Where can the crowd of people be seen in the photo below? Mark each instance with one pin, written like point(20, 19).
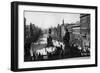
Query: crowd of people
point(54, 49)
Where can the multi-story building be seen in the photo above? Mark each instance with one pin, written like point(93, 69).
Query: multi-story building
point(85, 29)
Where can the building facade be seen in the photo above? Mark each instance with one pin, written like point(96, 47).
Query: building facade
point(85, 30)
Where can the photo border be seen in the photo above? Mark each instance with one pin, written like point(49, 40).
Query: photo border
point(14, 35)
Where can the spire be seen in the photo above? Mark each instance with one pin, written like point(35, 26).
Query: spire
point(63, 21)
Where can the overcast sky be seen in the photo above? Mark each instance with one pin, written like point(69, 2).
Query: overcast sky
point(48, 19)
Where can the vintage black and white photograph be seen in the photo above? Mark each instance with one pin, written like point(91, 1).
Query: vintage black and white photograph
point(56, 35)
point(52, 36)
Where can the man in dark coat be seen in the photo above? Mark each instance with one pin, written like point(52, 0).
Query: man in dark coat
point(66, 39)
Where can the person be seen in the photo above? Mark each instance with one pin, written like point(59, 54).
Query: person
point(66, 39)
point(49, 39)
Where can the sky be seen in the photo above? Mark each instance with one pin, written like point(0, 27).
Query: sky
point(47, 19)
